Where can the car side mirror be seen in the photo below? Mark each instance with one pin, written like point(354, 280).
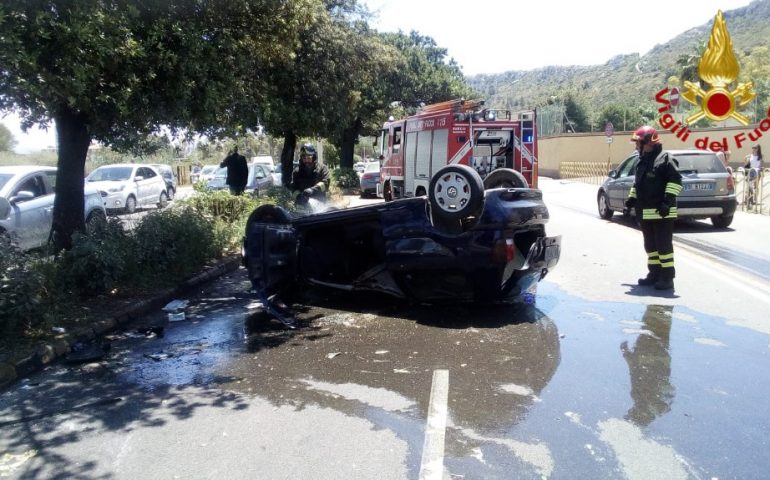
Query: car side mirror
point(138, 178)
point(5, 208)
point(21, 196)
point(613, 174)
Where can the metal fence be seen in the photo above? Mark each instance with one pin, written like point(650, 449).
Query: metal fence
point(751, 185)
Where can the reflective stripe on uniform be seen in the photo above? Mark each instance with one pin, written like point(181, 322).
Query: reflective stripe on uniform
point(667, 260)
point(632, 193)
point(652, 258)
point(652, 214)
point(673, 188)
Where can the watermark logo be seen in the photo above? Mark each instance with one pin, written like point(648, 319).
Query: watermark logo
point(718, 67)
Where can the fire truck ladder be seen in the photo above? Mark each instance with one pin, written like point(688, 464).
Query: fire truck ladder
point(524, 142)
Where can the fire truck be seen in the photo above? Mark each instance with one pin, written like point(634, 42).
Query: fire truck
point(461, 131)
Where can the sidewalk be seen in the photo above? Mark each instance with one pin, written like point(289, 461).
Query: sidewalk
point(45, 353)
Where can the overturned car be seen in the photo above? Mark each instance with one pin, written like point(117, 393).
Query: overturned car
point(464, 241)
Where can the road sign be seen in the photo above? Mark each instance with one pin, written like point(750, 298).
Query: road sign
point(673, 96)
point(609, 129)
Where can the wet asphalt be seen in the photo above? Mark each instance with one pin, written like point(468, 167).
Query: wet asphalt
point(615, 383)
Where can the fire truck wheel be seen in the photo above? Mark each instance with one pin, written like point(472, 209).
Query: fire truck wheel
point(505, 178)
point(456, 192)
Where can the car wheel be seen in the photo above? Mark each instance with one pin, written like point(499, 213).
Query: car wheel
point(163, 200)
point(505, 178)
point(130, 204)
point(604, 206)
point(95, 220)
point(171, 193)
point(456, 192)
point(722, 221)
point(268, 214)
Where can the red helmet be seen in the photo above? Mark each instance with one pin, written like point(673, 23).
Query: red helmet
point(645, 134)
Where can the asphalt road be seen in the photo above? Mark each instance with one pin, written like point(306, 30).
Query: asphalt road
point(601, 379)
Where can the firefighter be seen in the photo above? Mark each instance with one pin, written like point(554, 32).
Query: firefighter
point(656, 186)
point(310, 178)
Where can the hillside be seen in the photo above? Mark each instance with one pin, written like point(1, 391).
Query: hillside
point(624, 79)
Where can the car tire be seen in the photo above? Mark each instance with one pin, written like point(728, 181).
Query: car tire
point(163, 200)
point(505, 178)
point(722, 221)
point(130, 204)
point(456, 192)
point(604, 206)
point(268, 214)
point(95, 220)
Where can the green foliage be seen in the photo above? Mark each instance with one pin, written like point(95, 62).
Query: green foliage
point(345, 178)
point(221, 205)
point(7, 142)
point(98, 262)
point(173, 243)
point(22, 297)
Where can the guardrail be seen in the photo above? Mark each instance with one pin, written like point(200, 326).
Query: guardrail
point(751, 185)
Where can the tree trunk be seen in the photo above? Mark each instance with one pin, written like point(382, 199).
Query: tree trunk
point(287, 157)
point(349, 140)
point(73, 138)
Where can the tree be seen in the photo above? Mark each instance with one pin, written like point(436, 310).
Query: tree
point(115, 72)
point(7, 142)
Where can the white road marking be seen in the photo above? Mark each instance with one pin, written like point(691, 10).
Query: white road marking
point(432, 464)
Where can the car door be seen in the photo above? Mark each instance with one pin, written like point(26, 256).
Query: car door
point(619, 187)
point(31, 216)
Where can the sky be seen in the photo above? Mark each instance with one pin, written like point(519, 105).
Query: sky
point(495, 36)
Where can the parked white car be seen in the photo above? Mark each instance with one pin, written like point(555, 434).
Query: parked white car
point(128, 186)
point(207, 173)
point(267, 162)
point(27, 194)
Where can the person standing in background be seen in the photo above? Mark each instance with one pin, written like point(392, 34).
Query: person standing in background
point(237, 171)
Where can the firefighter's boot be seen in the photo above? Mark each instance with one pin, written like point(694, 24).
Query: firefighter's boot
point(653, 275)
point(666, 280)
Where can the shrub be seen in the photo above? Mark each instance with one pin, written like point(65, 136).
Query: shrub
point(345, 178)
point(22, 302)
point(96, 263)
point(173, 243)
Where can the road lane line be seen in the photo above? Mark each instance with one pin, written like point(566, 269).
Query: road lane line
point(432, 464)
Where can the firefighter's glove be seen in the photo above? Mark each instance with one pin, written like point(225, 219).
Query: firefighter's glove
point(630, 202)
point(663, 209)
point(302, 198)
point(308, 192)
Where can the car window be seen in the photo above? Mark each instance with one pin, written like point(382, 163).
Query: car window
point(628, 167)
point(4, 179)
point(372, 167)
point(700, 163)
point(51, 181)
point(146, 172)
point(116, 174)
point(33, 184)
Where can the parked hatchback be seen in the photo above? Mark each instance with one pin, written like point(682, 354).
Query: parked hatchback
point(369, 179)
point(708, 188)
point(128, 186)
point(27, 195)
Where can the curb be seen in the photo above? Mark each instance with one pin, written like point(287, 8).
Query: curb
point(47, 353)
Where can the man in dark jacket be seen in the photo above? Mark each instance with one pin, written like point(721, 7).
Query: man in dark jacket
point(310, 178)
point(656, 185)
point(237, 171)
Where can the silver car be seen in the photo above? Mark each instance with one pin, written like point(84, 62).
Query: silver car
point(126, 186)
point(27, 194)
point(708, 188)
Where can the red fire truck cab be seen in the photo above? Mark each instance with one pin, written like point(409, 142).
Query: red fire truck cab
point(455, 132)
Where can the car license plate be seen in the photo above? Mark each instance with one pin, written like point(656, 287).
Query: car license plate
point(699, 186)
